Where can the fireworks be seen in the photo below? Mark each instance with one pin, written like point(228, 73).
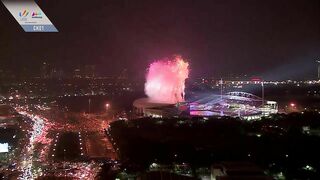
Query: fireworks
point(165, 80)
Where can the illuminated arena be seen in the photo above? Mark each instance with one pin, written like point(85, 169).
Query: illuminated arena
point(165, 85)
point(234, 104)
point(165, 88)
point(151, 108)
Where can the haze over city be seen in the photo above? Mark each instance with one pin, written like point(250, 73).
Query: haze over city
point(171, 89)
point(218, 37)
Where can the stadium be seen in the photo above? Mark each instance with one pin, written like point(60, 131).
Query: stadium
point(235, 104)
point(165, 88)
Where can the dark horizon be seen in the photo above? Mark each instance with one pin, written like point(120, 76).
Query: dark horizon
point(274, 39)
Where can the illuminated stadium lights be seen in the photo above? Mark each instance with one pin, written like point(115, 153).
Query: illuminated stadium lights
point(234, 104)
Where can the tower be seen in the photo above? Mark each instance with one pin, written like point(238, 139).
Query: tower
point(318, 62)
point(44, 70)
point(89, 71)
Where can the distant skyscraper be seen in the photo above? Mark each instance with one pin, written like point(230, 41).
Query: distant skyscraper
point(44, 70)
point(123, 74)
point(89, 71)
point(56, 73)
point(77, 73)
point(318, 62)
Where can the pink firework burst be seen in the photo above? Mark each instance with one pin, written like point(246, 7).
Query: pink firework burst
point(165, 80)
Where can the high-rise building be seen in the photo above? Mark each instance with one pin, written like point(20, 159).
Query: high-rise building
point(44, 70)
point(123, 74)
point(89, 71)
point(56, 73)
point(318, 62)
point(77, 73)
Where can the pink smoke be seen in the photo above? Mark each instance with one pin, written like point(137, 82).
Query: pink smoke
point(166, 80)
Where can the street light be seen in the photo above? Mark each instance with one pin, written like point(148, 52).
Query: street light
point(107, 106)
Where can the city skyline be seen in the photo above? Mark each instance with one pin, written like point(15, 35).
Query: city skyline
point(218, 38)
point(150, 89)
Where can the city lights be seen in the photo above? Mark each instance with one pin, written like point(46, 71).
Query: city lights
point(160, 89)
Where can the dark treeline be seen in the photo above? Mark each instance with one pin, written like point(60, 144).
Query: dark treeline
point(283, 143)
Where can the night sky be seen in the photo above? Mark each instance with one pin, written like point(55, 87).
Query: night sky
point(275, 39)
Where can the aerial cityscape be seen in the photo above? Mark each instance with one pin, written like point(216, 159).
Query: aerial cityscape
point(147, 90)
